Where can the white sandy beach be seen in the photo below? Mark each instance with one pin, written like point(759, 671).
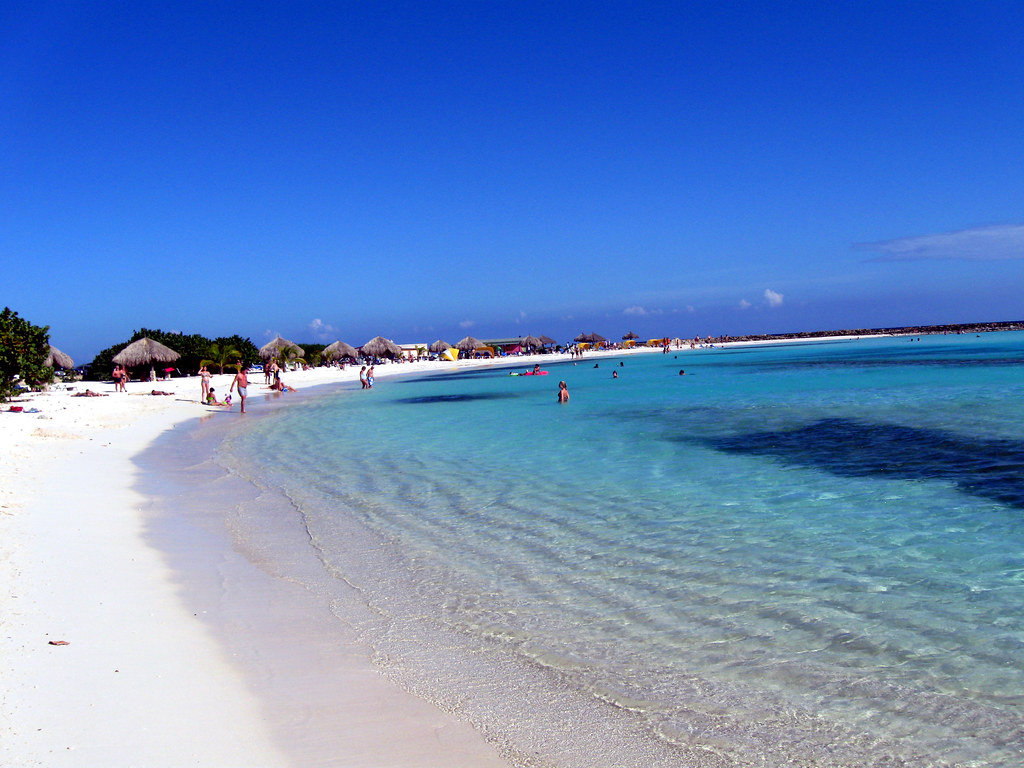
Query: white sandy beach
point(141, 680)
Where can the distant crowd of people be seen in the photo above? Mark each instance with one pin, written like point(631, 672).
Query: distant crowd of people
point(272, 378)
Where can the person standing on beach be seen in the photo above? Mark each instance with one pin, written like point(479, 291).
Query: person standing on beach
point(563, 392)
point(205, 376)
point(242, 380)
point(362, 377)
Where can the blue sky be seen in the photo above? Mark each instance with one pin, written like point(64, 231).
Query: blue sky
point(431, 170)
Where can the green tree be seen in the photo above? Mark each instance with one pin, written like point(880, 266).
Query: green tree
point(193, 348)
point(287, 355)
point(314, 353)
point(23, 350)
point(220, 355)
point(249, 352)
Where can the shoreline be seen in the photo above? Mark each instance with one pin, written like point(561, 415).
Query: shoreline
point(81, 568)
point(142, 679)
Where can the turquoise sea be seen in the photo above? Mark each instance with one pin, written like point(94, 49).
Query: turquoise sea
point(806, 554)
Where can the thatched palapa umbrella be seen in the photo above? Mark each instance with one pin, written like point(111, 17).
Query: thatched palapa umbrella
point(378, 346)
point(630, 336)
point(340, 349)
point(57, 359)
point(545, 340)
point(273, 348)
point(532, 341)
point(439, 346)
point(468, 344)
point(143, 351)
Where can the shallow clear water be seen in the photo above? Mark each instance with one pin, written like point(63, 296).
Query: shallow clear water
point(807, 554)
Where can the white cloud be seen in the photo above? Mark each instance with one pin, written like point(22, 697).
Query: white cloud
point(638, 311)
point(994, 243)
point(744, 304)
point(774, 299)
point(321, 330)
point(467, 324)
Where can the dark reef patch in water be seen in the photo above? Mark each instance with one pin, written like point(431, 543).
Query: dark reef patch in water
point(463, 398)
point(474, 375)
point(791, 366)
point(993, 469)
point(870, 361)
point(477, 375)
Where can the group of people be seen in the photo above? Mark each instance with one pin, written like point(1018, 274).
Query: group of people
point(241, 381)
point(120, 376)
point(366, 377)
point(271, 372)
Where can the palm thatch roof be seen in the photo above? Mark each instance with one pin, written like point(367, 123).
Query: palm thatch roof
point(143, 351)
point(468, 344)
point(57, 359)
point(532, 341)
point(547, 340)
point(592, 338)
point(378, 346)
point(340, 349)
point(439, 346)
point(630, 336)
point(273, 348)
